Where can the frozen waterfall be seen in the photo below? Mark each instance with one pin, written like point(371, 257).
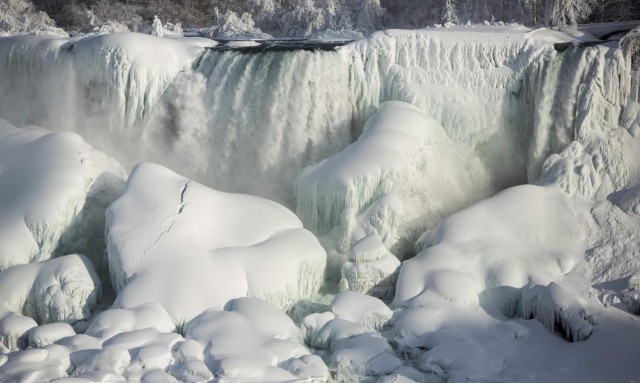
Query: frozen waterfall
point(250, 122)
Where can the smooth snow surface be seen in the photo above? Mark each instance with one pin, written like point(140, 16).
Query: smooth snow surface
point(223, 246)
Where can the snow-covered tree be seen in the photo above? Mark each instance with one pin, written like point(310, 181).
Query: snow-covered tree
point(449, 13)
point(370, 15)
point(564, 13)
point(231, 26)
point(20, 16)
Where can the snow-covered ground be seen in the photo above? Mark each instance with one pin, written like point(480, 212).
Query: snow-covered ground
point(467, 201)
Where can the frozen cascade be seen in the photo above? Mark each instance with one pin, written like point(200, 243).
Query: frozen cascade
point(248, 122)
point(238, 122)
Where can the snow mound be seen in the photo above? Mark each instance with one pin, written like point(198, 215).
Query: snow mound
point(370, 269)
point(115, 321)
point(233, 245)
point(228, 344)
point(55, 189)
point(362, 309)
point(402, 174)
point(348, 336)
point(66, 289)
point(47, 334)
point(14, 330)
point(526, 233)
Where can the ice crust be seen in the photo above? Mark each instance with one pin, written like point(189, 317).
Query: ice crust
point(234, 245)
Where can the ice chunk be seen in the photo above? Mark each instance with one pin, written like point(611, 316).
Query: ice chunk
point(61, 289)
point(362, 309)
point(225, 245)
point(632, 300)
point(558, 310)
point(55, 189)
point(370, 269)
point(14, 330)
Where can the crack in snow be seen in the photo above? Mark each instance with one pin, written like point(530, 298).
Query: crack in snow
point(175, 215)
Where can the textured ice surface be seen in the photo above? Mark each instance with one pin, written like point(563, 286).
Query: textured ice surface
point(224, 245)
point(66, 289)
point(55, 189)
point(370, 269)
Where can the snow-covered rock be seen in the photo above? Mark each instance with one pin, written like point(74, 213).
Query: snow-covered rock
point(66, 289)
point(401, 175)
point(53, 194)
point(526, 233)
point(222, 246)
point(362, 309)
point(47, 334)
point(558, 309)
point(14, 330)
point(370, 269)
point(116, 321)
point(236, 348)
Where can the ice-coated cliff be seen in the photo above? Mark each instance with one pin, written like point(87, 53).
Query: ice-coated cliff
point(55, 189)
point(223, 246)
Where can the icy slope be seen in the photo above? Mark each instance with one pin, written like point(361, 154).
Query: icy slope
point(219, 246)
point(55, 189)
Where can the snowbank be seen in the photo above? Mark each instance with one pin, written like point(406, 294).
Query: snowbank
point(233, 245)
point(55, 189)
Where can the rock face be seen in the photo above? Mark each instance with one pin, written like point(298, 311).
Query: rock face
point(188, 247)
point(55, 189)
point(65, 289)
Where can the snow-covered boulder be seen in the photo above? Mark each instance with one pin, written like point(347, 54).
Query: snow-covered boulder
point(558, 309)
point(116, 321)
point(362, 309)
point(54, 189)
point(66, 289)
point(370, 269)
point(400, 176)
point(526, 233)
point(14, 329)
point(188, 247)
point(47, 334)
point(237, 348)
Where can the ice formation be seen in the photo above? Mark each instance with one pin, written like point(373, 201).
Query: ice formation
point(454, 114)
point(370, 269)
point(65, 289)
point(55, 190)
point(233, 245)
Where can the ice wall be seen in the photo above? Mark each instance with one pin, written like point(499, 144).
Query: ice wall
point(249, 122)
point(238, 122)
